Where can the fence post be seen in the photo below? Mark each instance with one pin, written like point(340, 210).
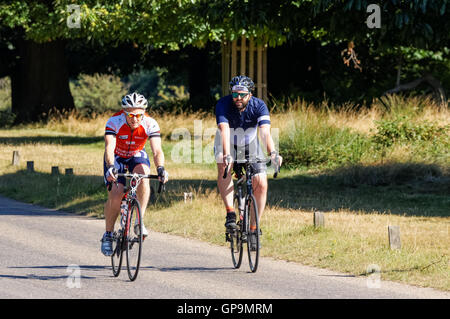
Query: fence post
point(55, 170)
point(188, 196)
point(30, 166)
point(319, 220)
point(394, 237)
point(16, 158)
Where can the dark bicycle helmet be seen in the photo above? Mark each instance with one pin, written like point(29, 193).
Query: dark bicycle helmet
point(244, 81)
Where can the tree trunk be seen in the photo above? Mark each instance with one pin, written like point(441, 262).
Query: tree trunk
point(199, 93)
point(40, 80)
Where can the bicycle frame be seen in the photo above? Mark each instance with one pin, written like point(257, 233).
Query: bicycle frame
point(245, 179)
point(248, 214)
point(123, 239)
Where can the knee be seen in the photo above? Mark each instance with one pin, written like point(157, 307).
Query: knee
point(260, 183)
point(141, 169)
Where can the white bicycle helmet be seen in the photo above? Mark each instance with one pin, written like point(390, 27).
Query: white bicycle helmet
point(134, 100)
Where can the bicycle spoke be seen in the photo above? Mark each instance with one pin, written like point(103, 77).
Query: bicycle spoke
point(236, 238)
point(253, 238)
point(134, 240)
point(116, 258)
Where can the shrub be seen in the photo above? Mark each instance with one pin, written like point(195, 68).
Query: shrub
point(403, 130)
point(5, 94)
point(98, 93)
point(320, 144)
point(6, 118)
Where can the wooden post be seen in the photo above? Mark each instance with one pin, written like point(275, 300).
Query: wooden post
point(225, 67)
point(251, 59)
point(264, 74)
point(319, 220)
point(188, 196)
point(259, 92)
point(55, 170)
point(243, 55)
point(30, 166)
point(233, 59)
point(16, 158)
point(244, 64)
point(69, 171)
point(394, 237)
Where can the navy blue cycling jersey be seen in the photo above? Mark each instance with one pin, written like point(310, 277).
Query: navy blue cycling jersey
point(255, 114)
point(245, 123)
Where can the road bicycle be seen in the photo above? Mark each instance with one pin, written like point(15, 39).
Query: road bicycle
point(246, 210)
point(129, 236)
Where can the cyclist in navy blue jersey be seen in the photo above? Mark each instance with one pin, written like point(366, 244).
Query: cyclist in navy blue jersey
point(239, 117)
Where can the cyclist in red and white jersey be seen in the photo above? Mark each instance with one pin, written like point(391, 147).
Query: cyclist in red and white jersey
point(126, 134)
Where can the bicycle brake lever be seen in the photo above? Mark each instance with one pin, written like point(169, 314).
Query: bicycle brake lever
point(277, 170)
point(226, 172)
point(162, 187)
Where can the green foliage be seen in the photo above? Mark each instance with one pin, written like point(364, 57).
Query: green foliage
point(420, 23)
point(403, 130)
point(97, 93)
point(161, 92)
point(318, 144)
point(7, 118)
point(5, 94)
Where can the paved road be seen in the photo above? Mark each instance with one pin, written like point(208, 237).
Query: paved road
point(37, 246)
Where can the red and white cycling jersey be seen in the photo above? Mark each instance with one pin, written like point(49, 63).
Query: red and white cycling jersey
point(129, 143)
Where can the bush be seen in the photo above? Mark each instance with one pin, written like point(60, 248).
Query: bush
point(5, 94)
point(98, 93)
point(7, 118)
point(161, 96)
point(320, 144)
point(402, 130)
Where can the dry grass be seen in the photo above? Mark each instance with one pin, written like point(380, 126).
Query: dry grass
point(363, 120)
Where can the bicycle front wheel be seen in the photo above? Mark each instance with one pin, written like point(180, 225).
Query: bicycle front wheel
point(253, 237)
point(236, 237)
point(134, 239)
point(116, 258)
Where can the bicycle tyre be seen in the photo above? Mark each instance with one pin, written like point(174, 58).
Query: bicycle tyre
point(253, 255)
point(236, 244)
point(116, 258)
point(133, 240)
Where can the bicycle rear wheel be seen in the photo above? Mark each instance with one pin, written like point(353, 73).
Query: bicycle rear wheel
point(236, 238)
point(134, 240)
point(116, 258)
point(253, 245)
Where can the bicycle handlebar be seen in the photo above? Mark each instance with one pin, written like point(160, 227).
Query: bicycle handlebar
point(277, 168)
point(162, 186)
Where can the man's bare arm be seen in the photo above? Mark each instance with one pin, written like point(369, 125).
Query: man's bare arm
point(158, 154)
point(110, 145)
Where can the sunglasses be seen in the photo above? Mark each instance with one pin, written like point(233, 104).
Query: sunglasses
point(132, 115)
point(236, 94)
